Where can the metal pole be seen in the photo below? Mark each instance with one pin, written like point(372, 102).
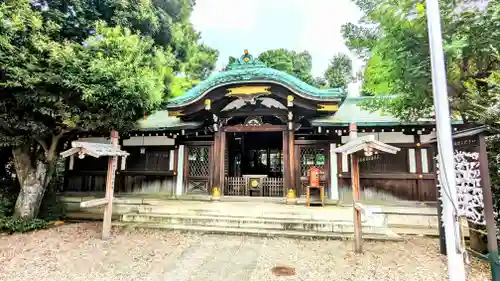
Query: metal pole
point(456, 269)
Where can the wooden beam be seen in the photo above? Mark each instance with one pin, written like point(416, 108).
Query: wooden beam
point(489, 214)
point(356, 197)
point(216, 158)
point(287, 180)
point(263, 128)
point(94, 203)
point(418, 162)
point(69, 152)
point(391, 176)
point(291, 152)
point(221, 161)
point(358, 244)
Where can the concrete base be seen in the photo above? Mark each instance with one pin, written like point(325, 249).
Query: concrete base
point(258, 232)
point(254, 216)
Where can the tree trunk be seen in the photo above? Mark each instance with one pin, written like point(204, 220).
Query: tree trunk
point(33, 175)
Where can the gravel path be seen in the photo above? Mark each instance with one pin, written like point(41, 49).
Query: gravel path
point(75, 252)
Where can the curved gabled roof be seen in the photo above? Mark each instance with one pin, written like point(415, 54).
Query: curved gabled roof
point(352, 111)
point(249, 69)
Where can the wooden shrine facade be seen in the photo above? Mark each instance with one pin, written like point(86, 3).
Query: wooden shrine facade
point(252, 121)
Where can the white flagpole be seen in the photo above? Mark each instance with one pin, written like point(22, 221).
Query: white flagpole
point(456, 269)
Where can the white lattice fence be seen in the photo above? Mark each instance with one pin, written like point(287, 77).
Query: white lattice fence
point(469, 189)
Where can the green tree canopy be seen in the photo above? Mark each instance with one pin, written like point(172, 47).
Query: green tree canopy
point(291, 62)
point(339, 71)
point(393, 36)
point(65, 71)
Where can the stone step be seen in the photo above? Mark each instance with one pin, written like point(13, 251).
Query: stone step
point(312, 214)
point(241, 222)
point(257, 232)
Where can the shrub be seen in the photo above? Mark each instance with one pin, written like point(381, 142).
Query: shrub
point(11, 225)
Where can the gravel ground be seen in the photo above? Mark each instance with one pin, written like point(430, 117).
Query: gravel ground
point(75, 252)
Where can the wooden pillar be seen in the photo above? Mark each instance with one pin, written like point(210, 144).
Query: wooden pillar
point(110, 183)
point(222, 152)
point(333, 192)
point(216, 160)
point(287, 182)
point(211, 167)
point(358, 246)
point(489, 215)
point(419, 169)
point(181, 170)
point(291, 157)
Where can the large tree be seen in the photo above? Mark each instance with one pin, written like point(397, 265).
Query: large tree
point(82, 65)
point(298, 64)
point(393, 37)
point(52, 86)
point(339, 71)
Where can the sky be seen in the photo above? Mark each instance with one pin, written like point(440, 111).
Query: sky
point(231, 26)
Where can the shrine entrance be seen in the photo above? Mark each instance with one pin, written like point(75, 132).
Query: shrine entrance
point(254, 158)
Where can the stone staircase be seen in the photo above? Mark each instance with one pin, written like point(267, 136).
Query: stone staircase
point(259, 220)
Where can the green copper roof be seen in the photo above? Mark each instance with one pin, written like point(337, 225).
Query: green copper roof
point(248, 69)
point(161, 121)
point(351, 111)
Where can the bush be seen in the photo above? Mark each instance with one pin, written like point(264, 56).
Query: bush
point(6, 206)
point(11, 225)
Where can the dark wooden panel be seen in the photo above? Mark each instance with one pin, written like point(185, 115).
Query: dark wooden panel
point(402, 189)
point(95, 181)
point(90, 163)
point(153, 159)
point(385, 162)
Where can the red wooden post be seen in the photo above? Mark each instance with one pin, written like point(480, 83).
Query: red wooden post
point(358, 244)
point(110, 183)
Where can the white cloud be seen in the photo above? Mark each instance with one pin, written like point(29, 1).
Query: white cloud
point(320, 33)
point(224, 15)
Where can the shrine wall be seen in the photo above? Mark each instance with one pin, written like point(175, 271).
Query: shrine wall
point(149, 168)
point(407, 175)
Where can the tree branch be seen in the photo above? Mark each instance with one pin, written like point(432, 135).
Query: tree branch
point(43, 143)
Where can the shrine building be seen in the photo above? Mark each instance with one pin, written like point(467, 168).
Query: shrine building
point(254, 121)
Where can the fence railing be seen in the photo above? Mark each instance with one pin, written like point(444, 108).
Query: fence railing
point(238, 186)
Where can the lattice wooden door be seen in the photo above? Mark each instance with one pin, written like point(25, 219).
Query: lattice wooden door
point(198, 169)
point(309, 156)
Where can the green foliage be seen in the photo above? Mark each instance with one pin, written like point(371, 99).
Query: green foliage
point(13, 225)
point(198, 60)
point(6, 205)
point(339, 71)
point(180, 85)
point(51, 87)
point(393, 34)
point(376, 80)
point(291, 62)
point(9, 187)
point(72, 66)
point(483, 98)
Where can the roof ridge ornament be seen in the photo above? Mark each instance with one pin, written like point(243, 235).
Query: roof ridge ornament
point(246, 61)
